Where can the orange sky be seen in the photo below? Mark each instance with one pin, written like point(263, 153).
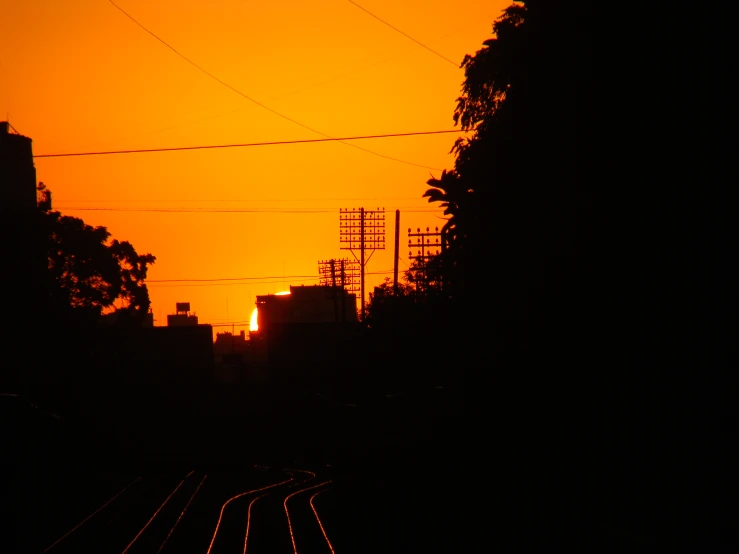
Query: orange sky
point(79, 76)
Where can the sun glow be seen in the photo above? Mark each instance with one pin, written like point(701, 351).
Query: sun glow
point(283, 293)
point(253, 325)
point(200, 196)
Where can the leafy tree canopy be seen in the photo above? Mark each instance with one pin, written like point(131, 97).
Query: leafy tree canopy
point(417, 290)
point(495, 81)
point(88, 272)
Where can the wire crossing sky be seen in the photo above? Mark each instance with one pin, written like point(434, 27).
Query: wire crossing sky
point(84, 82)
point(404, 34)
point(260, 104)
point(273, 143)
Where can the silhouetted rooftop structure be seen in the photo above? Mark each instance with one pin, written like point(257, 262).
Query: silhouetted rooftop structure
point(227, 343)
point(307, 304)
point(22, 246)
point(182, 316)
point(17, 172)
point(306, 333)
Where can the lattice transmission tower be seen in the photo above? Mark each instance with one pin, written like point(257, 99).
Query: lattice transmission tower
point(340, 273)
point(362, 230)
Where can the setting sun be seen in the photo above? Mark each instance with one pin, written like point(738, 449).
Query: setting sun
point(86, 77)
point(253, 322)
point(278, 274)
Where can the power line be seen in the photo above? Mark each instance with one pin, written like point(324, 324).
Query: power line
point(225, 281)
point(188, 60)
point(232, 278)
point(248, 144)
point(358, 68)
point(234, 210)
point(404, 34)
point(334, 77)
point(281, 277)
point(229, 284)
point(384, 200)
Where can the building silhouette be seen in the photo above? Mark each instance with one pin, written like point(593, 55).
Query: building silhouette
point(163, 356)
point(231, 351)
point(228, 343)
point(307, 304)
point(22, 249)
point(182, 316)
point(306, 334)
point(17, 172)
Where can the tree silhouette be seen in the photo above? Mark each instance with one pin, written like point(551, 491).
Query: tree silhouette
point(425, 277)
point(384, 302)
point(494, 86)
point(87, 272)
point(417, 293)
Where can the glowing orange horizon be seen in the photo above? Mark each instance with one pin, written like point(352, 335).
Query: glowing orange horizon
point(82, 76)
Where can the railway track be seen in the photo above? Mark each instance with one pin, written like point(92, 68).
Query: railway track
point(195, 512)
point(307, 532)
point(263, 520)
point(128, 522)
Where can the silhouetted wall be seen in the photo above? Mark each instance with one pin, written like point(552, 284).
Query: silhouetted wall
point(156, 355)
point(23, 255)
point(181, 320)
point(18, 173)
point(228, 343)
point(302, 336)
point(307, 304)
point(310, 351)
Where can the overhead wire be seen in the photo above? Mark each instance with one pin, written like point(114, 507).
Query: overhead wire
point(280, 96)
point(232, 323)
point(386, 200)
point(405, 34)
point(283, 277)
point(224, 281)
point(174, 285)
point(249, 144)
point(261, 105)
point(226, 210)
point(357, 69)
point(232, 278)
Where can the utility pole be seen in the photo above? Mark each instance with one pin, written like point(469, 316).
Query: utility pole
point(333, 290)
point(340, 274)
point(343, 296)
point(361, 262)
point(424, 244)
point(397, 252)
point(362, 230)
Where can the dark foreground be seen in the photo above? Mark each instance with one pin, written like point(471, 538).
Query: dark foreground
point(379, 462)
point(412, 469)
